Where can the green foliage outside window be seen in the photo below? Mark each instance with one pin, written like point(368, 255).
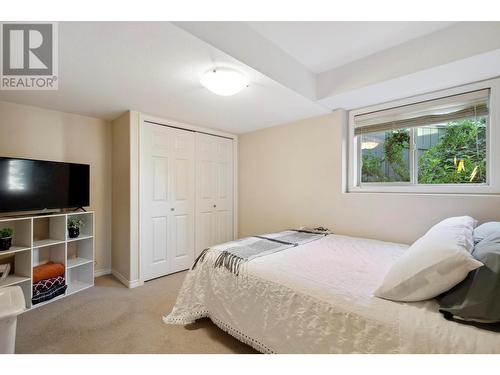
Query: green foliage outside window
point(459, 156)
point(372, 168)
point(396, 145)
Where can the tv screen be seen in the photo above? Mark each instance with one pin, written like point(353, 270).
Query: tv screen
point(32, 185)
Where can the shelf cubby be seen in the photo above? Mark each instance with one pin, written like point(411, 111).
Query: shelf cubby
point(53, 253)
point(79, 278)
point(87, 231)
point(20, 275)
point(80, 252)
point(21, 239)
point(49, 230)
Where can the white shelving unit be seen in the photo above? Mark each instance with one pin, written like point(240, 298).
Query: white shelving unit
point(39, 239)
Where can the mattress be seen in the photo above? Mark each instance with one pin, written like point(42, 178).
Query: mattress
point(318, 298)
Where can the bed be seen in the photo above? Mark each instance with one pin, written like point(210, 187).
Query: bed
point(318, 298)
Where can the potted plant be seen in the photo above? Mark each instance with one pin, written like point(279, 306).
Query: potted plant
point(74, 226)
point(6, 238)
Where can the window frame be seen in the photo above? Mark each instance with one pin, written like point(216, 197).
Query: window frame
point(492, 185)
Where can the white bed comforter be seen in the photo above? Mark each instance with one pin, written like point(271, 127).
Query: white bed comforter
point(318, 298)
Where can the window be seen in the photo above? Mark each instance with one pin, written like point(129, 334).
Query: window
point(435, 145)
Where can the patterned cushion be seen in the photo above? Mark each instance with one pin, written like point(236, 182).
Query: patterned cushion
point(44, 285)
point(49, 294)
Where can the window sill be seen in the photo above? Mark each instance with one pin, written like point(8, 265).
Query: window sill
point(429, 190)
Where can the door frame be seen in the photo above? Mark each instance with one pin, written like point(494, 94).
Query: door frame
point(136, 138)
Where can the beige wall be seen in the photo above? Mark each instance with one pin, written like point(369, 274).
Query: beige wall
point(121, 195)
point(125, 253)
point(31, 132)
point(291, 175)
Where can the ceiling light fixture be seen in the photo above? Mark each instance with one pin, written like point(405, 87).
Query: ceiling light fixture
point(224, 81)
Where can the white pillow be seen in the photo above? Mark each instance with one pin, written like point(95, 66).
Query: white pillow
point(435, 263)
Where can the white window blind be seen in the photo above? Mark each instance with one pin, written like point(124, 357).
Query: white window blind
point(456, 107)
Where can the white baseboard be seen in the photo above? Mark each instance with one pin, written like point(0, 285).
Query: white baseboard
point(104, 271)
point(125, 281)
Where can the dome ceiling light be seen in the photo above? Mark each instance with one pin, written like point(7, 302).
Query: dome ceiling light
point(224, 81)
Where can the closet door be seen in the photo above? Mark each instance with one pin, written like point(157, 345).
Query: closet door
point(181, 244)
point(214, 191)
point(167, 200)
point(205, 192)
point(223, 160)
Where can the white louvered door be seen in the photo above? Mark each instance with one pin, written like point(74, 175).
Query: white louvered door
point(214, 190)
point(167, 200)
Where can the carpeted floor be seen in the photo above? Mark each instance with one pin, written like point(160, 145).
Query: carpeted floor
point(109, 318)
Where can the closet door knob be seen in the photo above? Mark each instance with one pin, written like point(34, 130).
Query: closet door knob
point(172, 209)
point(215, 205)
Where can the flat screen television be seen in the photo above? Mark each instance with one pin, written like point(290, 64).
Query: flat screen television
point(34, 185)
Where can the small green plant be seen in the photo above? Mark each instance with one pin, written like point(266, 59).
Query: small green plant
point(6, 232)
point(75, 223)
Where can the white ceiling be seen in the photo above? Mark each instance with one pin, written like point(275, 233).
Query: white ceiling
point(321, 46)
point(106, 68)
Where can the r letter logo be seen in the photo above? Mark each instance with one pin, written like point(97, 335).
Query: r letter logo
point(29, 56)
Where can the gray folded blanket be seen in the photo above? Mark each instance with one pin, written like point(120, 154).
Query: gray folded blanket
point(235, 253)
